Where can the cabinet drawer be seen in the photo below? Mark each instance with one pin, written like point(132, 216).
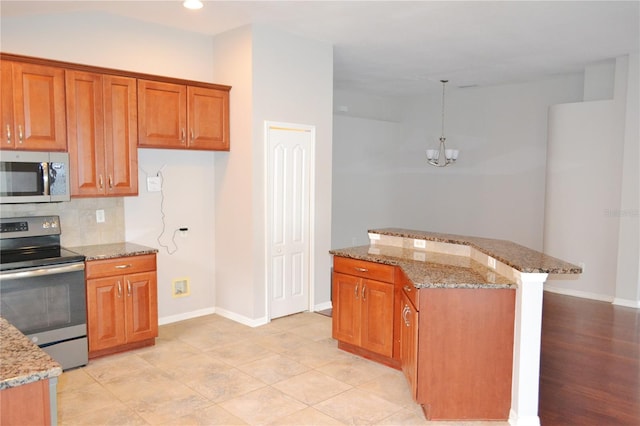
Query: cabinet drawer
point(120, 266)
point(364, 269)
point(412, 294)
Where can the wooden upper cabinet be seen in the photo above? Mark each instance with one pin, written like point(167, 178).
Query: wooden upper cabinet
point(182, 117)
point(208, 118)
point(102, 129)
point(33, 107)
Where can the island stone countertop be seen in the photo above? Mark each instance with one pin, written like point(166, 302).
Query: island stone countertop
point(433, 270)
point(514, 255)
point(21, 361)
point(111, 251)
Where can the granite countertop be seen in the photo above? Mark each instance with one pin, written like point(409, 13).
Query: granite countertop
point(21, 361)
point(110, 251)
point(516, 256)
point(437, 270)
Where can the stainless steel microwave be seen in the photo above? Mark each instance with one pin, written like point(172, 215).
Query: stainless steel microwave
point(33, 177)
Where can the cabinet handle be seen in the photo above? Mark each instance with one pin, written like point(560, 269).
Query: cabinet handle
point(8, 134)
point(407, 288)
point(100, 181)
point(128, 265)
point(128, 288)
point(361, 269)
point(405, 311)
point(192, 138)
point(182, 135)
point(364, 289)
point(20, 135)
point(355, 291)
point(110, 182)
point(119, 289)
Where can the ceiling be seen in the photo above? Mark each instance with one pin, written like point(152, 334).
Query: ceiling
point(399, 48)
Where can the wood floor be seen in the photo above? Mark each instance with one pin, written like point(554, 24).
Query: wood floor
point(590, 363)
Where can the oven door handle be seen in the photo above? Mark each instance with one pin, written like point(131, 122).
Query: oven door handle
point(39, 272)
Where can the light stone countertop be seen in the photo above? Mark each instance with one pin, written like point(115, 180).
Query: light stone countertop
point(437, 270)
point(22, 361)
point(514, 255)
point(111, 251)
point(433, 269)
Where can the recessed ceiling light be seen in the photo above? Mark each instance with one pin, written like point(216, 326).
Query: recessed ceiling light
point(192, 4)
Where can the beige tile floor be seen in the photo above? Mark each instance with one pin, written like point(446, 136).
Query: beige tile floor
point(213, 371)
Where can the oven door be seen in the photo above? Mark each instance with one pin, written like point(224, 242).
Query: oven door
point(44, 300)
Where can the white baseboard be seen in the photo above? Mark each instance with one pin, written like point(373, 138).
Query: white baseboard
point(629, 303)
point(578, 293)
point(323, 306)
point(514, 420)
point(229, 315)
point(185, 316)
point(242, 319)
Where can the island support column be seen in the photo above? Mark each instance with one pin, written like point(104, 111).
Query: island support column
point(525, 381)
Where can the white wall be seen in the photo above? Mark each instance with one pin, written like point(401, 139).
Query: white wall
point(593, 189)
point(496, 189)
point(282, 78)
point(628, 270)
point(114, 42)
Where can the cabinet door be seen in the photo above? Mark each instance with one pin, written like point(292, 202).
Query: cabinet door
point(376, 334)
point(208, 118)
point(105, 313)
point(120, 135)
point(141, 306)
point(409, 343)
point(85, 127)
point(6, 105)
point(38, 107)
point(346, 308)
point(162, 115)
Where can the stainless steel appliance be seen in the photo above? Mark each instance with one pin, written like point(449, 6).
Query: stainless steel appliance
point(42, 288)
point(33, 177)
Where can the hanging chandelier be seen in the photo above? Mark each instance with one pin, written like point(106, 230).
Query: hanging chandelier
point(442, 156)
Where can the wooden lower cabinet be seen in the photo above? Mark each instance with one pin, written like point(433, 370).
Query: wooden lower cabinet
point(464, 349)
point(122, 306)
point(363, 307)
point(29, 404)
point(409, 343)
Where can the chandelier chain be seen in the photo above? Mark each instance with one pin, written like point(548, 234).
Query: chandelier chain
point(443, 84)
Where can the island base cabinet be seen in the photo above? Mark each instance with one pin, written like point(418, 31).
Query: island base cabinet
point(363, 308)
point(28, 404)
point(465, 353)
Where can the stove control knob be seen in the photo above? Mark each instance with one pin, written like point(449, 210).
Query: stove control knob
point(45, 224)
point(34, 339)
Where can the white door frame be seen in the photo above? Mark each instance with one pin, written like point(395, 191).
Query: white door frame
point(312, 201)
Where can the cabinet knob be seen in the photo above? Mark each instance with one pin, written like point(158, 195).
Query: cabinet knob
point(407, 288)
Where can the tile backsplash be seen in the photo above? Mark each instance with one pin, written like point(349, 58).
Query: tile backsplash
point(78, 219)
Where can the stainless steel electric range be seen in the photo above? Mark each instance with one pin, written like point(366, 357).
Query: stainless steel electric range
point(42, 288)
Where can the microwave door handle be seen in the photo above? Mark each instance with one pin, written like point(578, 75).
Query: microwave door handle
point(45, 178)
point(39, 272)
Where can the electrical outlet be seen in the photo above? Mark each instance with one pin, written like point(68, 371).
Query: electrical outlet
point(420, 243)
point(491, 262)
point(100, 216)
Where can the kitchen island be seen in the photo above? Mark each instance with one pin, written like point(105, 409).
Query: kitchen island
point(460, 315)
point(28, 380)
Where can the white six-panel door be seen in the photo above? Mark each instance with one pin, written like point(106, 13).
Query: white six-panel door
point(289, 171)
